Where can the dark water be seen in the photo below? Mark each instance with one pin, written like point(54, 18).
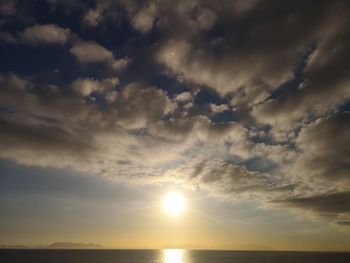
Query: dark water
point(166, 256)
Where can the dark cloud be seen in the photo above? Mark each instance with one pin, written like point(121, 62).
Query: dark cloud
point(21, 136)
point(325, 86)
point(324, 145)
point(335, 205)
point(7, 10)
point(6, 37)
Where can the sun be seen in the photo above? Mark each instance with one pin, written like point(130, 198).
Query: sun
point(174, 203)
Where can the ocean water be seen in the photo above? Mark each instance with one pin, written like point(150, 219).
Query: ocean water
point(166, 256)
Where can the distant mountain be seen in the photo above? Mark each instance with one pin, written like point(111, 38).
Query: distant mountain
point(12, 246)
point(74, 245)
point(57, 245)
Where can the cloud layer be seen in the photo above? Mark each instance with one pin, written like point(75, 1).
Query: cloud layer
point(246, 100)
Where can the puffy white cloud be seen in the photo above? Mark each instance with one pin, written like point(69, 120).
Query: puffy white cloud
point(92, 17)
point(85, 87)
point(184, 97)
point(136, 107)
point(91, 52)
point(218, 108)
point(144, 19)
point(45, 34)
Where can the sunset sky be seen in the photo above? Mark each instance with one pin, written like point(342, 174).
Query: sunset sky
point(241, 108)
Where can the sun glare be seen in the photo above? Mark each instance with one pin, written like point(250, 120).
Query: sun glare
point(173, 256)
point(174, 203)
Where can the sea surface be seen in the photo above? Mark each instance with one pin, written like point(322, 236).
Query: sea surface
point(166, 256)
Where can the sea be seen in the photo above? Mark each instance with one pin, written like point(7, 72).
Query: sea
point(166, 256)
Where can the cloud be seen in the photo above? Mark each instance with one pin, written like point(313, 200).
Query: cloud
point(219, 72)
point(130, 139)
point(136, 107)
point(324, 148)
point(7, 11)
point(7, 8)
point(92, 18)
point(144, 19)
point(36, 111)
point(184, 97)
point(129, 128)
point(91, 52)
point(12, 82)
point(20, 140)
point(334, 206)
point(242, 63)
point(228, 181)
point(325, 87)
point(87, 52)
point(205, 18)
point(218, 108)
point(6, 37)
point(319, 169)
point(85, 87)
point(45, 34)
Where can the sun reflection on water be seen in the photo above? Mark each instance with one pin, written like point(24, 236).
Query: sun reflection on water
point(174, 256)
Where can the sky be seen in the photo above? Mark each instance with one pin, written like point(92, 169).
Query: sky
point(240, 106)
